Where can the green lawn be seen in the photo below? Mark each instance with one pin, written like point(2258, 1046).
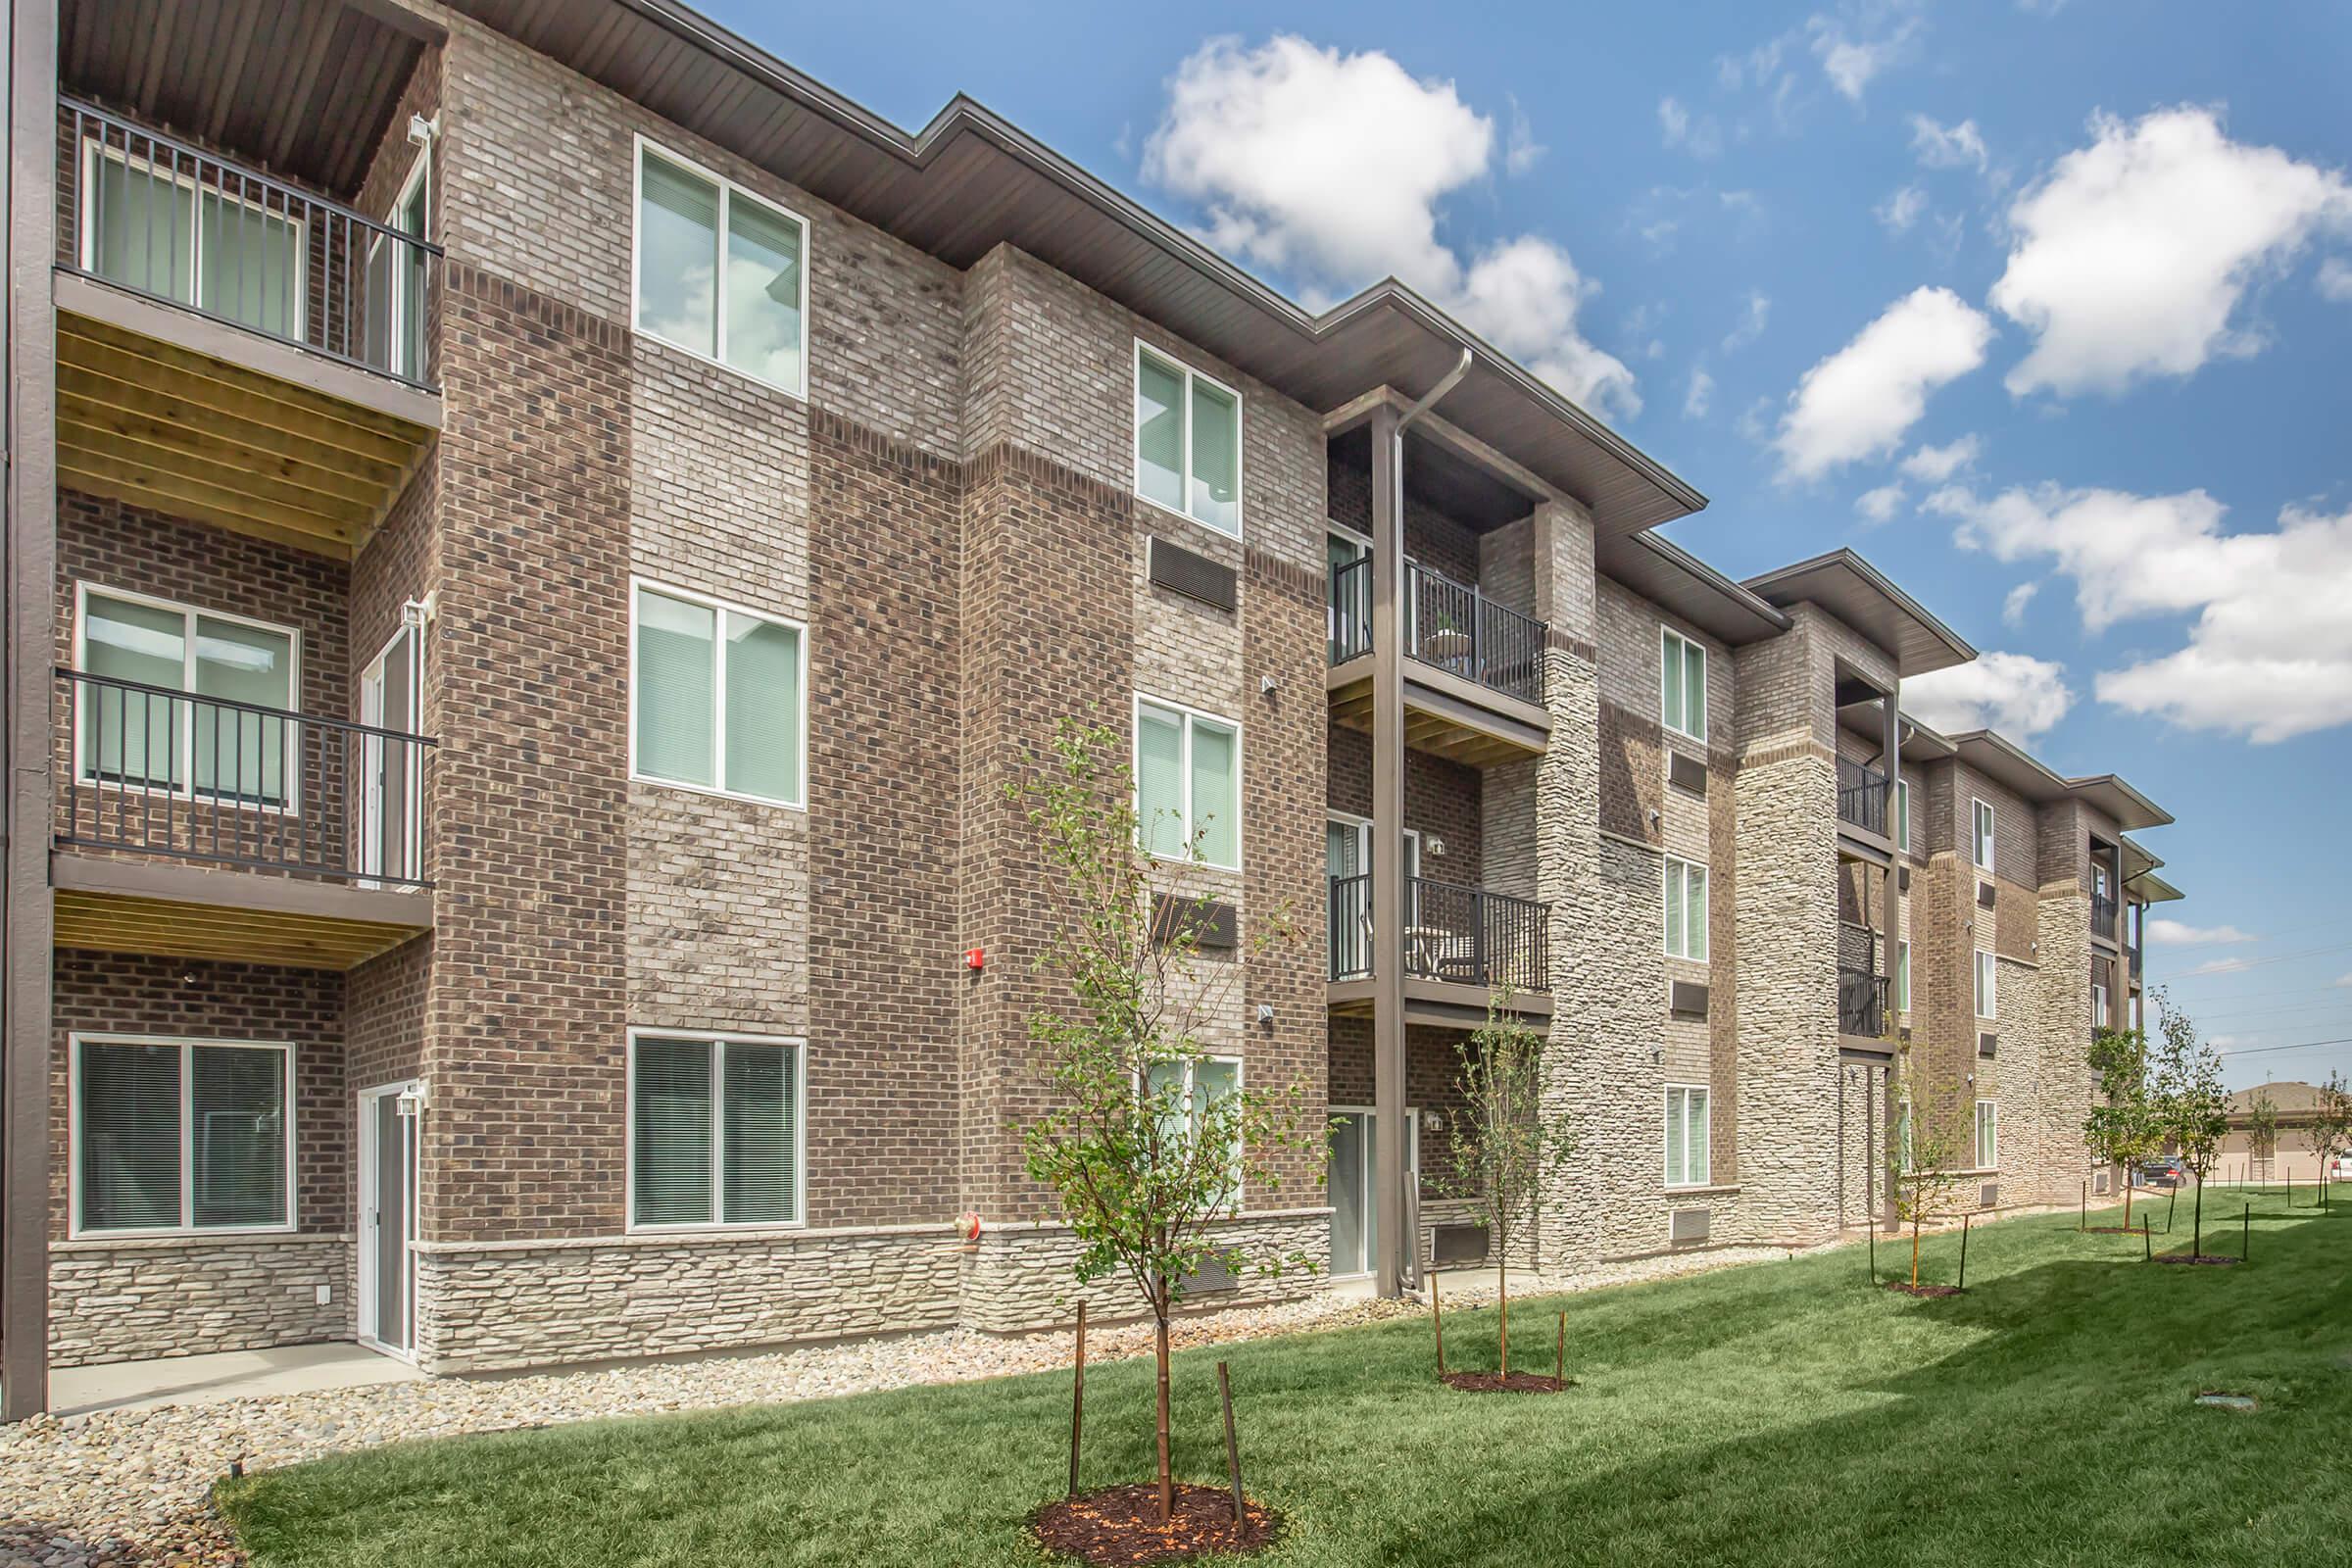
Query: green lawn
point(1780, 1412)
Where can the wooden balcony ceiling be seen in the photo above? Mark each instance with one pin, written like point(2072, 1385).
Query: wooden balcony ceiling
point(117, 904)
point(1444, 715)
point(151, 419)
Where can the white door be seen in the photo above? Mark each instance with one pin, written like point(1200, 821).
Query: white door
point(1355, 1199)
point(389, 797)
point(388, 1219)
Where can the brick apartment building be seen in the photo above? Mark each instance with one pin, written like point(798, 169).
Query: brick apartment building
point(538, 536)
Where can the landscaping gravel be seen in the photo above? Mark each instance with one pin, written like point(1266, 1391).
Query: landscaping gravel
point(131, 1486)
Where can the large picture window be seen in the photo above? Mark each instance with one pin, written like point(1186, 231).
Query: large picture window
point(1191, 1087)
point(150, 226)
point(1188, 784)
point(1187, 442)
point(1685, 911)
point(714, 1131)
point(1688, 1162)
point(191, 701)
point(1682, 685)
point(717, 697)
point(721, 272)
point(175, 1136)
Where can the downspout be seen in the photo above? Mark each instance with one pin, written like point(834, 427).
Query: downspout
point(1446, 383)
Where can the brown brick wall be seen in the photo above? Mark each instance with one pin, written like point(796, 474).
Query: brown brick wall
point(1442, 797)
point(1633, 774)
point(527, 1021)
point(884, 732)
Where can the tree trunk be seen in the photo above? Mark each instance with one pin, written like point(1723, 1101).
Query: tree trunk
point(1915, 1248)
point(1159, 1348)
point(2126, 1197)
point(2196, 1234)
point(1503, 1292)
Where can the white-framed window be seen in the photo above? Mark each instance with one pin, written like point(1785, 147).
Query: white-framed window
point(720, 273)
point(194, 703)
point(1195, 1084)
point(1188, 441)
point(1686, 909)
point(1988, 985)
point(2099, 1019)
point(396, 277)
point(1902, 816)
point(715, 1130)
point(1902, 977)
point(1982, 813)
point(175, 1136)
point(717, 696)
point(1187, 783)
point(1681, 685)
point(148, 224)
point(1688, 1162)
point(1989, 1134)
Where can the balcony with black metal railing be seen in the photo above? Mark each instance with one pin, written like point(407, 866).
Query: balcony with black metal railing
point(234, 348)
point(1462, 648)
point(1861, 797)
point(1861, 1002)
point(2104, 919)
point(207, 827)
point(1469, 941)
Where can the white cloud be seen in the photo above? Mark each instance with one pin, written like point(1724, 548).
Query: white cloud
point(1860, 401)
point(1850, 62)
point(1898, 211)
point(2268, 654)
point(2013, 605)
point(1936, 464)
point(2344, 979)
point(1880, 505)
point(2016, 694)
point(1751, 323)
point(1521, 152)
point(1330, 169)
point(1960, 146)
point(2221, 966)
point(1702, 390)
point(1699, 136)
point(2130, 257)
point(2336, 279)
point(2168, 933)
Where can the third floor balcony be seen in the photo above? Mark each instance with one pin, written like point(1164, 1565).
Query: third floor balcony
point(1473, 666)
point(1861, 797)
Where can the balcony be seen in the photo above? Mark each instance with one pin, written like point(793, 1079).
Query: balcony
point(1474, 676)
point(1861, 797)
point(231, 348)
point(1861, 1003)
point(203, 827)
point(2103, 919)
point(1461, 945)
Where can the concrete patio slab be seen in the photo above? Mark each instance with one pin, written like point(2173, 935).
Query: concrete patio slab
point(231, 1375)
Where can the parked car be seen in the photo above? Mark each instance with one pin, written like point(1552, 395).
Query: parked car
point(2340, 1169)
point(2164, 1172)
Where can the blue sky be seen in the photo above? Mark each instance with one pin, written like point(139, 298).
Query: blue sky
point(2042, 308)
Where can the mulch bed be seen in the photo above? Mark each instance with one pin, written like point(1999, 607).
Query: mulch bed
point(1120, 1525)
point(1497, 1383)
point(1909, 1289)
point(2207, 1258)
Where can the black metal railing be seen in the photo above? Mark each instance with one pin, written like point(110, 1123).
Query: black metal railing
point(1349, 618)
point(1861, 1002)
point(1449, 626)
point(1862, 796)
point(158, 771)
point(2103, 915)
point(1467, 934)
point(2135, 958)
point(1454, 627)
point(158, 216)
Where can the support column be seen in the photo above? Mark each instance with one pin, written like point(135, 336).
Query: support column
point(26, 929)
point(1890, 750)
point(1388, 1172)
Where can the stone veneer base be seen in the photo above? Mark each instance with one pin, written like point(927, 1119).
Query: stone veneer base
point(132, 1299)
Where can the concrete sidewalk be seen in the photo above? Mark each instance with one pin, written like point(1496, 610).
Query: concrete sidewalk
point(231, 1375)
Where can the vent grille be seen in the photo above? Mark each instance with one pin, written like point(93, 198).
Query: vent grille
point(1988, 1195)
point(1989, 1045)
point(1903, 879)
point(1685, 772)
point(1688, 998)
point(1214, 1275)
point(2099, 1182)
point(1687, 1225)
point(1215, 927)
point(1985, 895)
point(1457, 1245)
point(1195, 577)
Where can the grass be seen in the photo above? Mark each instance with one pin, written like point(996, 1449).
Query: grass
point(1774, 1413)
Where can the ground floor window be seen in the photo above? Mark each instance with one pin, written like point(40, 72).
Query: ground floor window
point(180, 1135)
point(1989, 1134)
point(714, 1130)
point(1687, 1155)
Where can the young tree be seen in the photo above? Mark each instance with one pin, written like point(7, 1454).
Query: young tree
point(2329, 1130)
point(1502, 1145)
point(1928, 1154)
point(2262, 1129)
point(2192, 1107)
point(1146, 1141)
point(2122, 1130)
